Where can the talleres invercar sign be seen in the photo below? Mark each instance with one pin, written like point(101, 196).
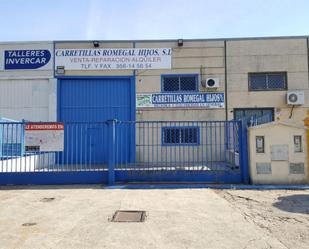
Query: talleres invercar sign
point(26, 59)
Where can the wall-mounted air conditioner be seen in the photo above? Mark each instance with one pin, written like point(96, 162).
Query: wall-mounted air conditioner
point(295, 98)
point(211, 83)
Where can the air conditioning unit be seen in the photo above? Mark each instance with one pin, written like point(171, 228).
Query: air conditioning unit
point(295, 98)
point(211, 83)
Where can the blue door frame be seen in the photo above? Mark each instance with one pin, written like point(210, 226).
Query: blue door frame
point(96, 99)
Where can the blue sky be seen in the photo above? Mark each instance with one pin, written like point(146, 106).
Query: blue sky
point(23, 20)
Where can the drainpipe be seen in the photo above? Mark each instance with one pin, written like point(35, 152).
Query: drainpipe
point(306, 123)
point(225, 82)
point(308, 58)
point(134, 71)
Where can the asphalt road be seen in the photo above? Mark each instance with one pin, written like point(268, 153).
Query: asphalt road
point(79, 217)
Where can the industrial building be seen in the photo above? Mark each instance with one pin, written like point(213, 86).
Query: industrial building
point(251, 75)
point(202, 80)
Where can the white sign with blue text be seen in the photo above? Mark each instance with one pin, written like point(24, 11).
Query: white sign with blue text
point(114, 58)
point(207, 100)
point(26, 59)
point(26, 56)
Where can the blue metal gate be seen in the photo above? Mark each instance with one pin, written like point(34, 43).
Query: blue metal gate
point(93, 100)
point(134, 151)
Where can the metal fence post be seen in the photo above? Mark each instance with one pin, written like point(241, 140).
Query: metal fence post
point(111, 151)
point(243, 144)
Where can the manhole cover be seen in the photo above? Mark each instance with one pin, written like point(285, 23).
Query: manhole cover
point(47, 199)
point(129, 216)
point(29, 224)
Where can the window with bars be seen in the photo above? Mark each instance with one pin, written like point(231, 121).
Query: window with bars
point(267, 81)
point(180, 135)
point(179, 83)
point(247, 113)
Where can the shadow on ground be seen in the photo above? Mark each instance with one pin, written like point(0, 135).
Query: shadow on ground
point(293, 203)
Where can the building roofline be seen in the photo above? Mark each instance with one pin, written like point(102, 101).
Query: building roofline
point(195, 39)
point(165, 40)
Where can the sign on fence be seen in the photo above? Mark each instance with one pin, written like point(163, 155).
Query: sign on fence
point(44, 137)
point(114, 58)
point(207, 100)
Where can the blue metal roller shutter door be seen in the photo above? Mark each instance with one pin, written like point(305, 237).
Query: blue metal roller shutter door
point(92, 101)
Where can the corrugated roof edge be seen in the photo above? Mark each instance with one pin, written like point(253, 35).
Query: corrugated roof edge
point(167, 40)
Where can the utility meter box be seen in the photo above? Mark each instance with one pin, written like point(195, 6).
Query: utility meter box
point(278, 153)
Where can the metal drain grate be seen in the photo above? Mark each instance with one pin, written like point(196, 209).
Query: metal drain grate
point(47, 199)
point(129, 216)
point(29, 224)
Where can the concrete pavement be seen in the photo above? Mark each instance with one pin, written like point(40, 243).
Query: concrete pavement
point(78, 217)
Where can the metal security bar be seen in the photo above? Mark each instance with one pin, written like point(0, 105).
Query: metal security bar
point(80, 149)
point(179, 145)
point(131, 151)
point(258, 120)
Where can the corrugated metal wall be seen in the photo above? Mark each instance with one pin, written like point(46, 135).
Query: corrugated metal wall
point(25, 99)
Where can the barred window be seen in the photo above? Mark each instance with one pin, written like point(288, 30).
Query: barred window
point(247, 113)
point(267, 81)
point(180, 135)
point(178, 83)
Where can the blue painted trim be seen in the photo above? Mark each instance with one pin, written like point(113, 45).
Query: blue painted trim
point(95, 177)
point(58, 100)
point(244, 156)
point(23, 144)
point(132, 149)
point(111, 151)
point(1, 135)
point(180, 144)
point(51, 178)
point(94, 77)
point(224, 186)
point(177, 176)
point(187, 121)
point(133, 98)
point(179, 75)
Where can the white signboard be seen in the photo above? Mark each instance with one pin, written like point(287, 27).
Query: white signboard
point(44, 137)
point(114, 58)
point(26, 56)
point(207, 100)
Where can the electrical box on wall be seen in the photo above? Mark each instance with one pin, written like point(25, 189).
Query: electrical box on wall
point(210, 83)
point(295, 98)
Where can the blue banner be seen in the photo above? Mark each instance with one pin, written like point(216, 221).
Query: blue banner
point(26, 59)
point(208, 100)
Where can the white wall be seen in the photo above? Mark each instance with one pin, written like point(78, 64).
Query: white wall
point(28, 93)
point(30, 99)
